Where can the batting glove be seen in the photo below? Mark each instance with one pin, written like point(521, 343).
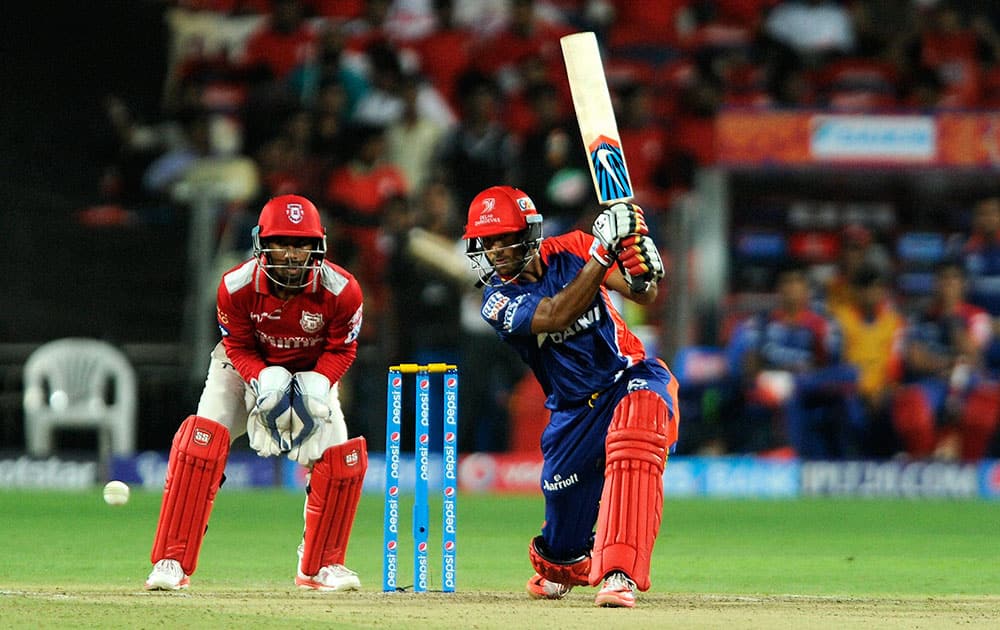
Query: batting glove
point(611, 226)
point(640, 263)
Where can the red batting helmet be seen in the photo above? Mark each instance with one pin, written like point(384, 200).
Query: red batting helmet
point(498, 210)
point(501, 210)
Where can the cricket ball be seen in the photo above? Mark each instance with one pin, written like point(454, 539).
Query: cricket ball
point(116, 493)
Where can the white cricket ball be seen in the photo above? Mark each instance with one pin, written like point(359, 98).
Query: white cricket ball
point(116, 493)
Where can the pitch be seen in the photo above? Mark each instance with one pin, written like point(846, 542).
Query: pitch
point(73, 561)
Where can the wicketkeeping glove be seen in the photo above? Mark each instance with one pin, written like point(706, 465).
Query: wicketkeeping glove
point(611, 226)
point(269, 423)
point(640, 262)
point(315, 423)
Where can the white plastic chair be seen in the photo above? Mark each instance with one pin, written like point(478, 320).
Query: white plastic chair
point(78, 382)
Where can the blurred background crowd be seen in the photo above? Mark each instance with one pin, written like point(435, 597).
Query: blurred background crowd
point(392, 114)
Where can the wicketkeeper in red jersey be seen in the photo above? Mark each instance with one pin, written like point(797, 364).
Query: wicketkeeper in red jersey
point(613, 410)
point(290, 321)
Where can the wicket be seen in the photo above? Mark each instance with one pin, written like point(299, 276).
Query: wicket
point(449, 475)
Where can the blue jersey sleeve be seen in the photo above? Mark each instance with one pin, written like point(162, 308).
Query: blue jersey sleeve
point(509, 310)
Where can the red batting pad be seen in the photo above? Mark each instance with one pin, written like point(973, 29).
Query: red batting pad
point(194, 474)
point(334, 493)
point(632, 500)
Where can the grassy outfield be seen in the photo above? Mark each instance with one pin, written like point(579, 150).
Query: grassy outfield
point(67, 559)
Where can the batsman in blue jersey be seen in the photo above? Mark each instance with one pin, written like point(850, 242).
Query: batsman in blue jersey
point(613, 410)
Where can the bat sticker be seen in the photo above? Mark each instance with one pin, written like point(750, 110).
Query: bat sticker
point(609, 169)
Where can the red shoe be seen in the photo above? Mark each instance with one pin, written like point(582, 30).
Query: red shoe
point(618, 592)
point(540, 588)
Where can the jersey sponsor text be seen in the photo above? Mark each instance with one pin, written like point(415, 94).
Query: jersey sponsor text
point(585, 321)
point(287, 342)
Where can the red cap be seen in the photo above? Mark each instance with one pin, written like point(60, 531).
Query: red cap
point(498, 210)
point(290, 215)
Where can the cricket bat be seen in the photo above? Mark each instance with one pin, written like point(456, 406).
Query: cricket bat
point(596, 117)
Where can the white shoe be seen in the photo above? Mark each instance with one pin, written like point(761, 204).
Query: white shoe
point(332, 577)
point(618, 592)
point(540, 588)
point(167, 575)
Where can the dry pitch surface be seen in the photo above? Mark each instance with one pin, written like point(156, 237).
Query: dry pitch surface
point(291, 608)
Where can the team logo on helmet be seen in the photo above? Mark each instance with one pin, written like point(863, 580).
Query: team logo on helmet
point(526, 204)
point(486, 214)
point(295, 213)
point(311, 322)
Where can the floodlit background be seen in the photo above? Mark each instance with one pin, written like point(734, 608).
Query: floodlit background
point(140, 139)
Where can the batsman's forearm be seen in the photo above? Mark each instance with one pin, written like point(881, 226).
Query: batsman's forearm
point(559, 311)
point(646, 298)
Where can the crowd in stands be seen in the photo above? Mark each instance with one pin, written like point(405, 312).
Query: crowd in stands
point(847, 367)
point(392, 114)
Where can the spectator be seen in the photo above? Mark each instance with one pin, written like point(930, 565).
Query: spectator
point(789, 362)
point(273, 53)
point(657, 168)
point(479, 150)
point(981, 260)
point(647, 25)
point(873, 333)
point(698, 102)
point(948, 408)
point(954, 52)
point(330, 125)
point(330, 65)
point(206, 152)
point(526, 81)
point(553, 163)
point(364, 196)
point(799, 36)
point(446, 53)
point(126, 146)
point(287, 160)
point(191, 145)
point(525, 35)
point(425, 293)
point(858, 249)
point(413, 139)
point(282, 43)
point(383, 104)
point(369, 28)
